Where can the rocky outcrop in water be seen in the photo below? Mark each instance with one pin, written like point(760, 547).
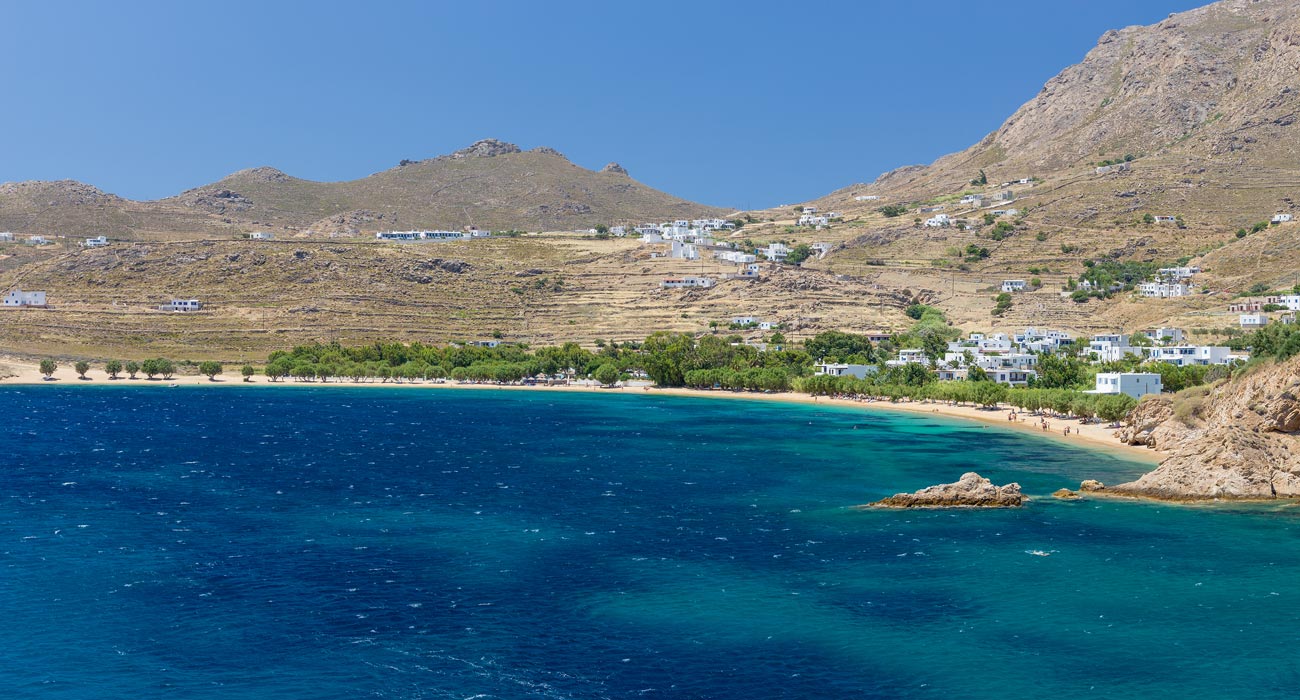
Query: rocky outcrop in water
point(970, 491)
point(1237, 440)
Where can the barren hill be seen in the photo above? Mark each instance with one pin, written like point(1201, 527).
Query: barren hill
point(491, 185)
point(1206, 101)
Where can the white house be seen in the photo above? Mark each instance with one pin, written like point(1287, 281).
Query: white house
point(1166, 335)
point(866, 198)
point(767, 325)
point(1290, 301)
point(683, 251)
point(1252, 321)
point(1014, 285)
point(735, 256)
point(743, 320)
point(260, 236)
point(1281, 218)
point(1166, 219)
point(687, 282)
point(397, 235)
point(17, 298)
point(1178, 273)
point(1185, 355)
point(1164, 290)
point(37, 240)
point(938, 221)
point(6, 237)
point(814, 220)
point(1135, 384)
point(842, 370)
point(810, 210)
point(181, 305)
point(775, 251)
point(96, 242)
point(1012, 377)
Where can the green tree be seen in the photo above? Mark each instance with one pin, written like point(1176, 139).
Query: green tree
point(81, 367)
point(798, 254)
point(893, 210)
point(113, 368)
point(210, 369)
point(838, 346)
point(248, 372)
point(47, 367)
point(132, 368)
point(607, 374)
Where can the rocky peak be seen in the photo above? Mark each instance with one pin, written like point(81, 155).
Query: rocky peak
point(614, 168)
point(547, 150)
point(486, 148)
point(261, 174)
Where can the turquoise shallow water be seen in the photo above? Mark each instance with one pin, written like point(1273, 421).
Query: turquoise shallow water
point(373, 543)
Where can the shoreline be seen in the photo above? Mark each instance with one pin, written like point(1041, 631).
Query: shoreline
point(1091, 436)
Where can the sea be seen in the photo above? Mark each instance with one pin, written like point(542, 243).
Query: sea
point(333, 542)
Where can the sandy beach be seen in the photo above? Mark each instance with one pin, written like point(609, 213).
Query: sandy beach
point(1091, 436)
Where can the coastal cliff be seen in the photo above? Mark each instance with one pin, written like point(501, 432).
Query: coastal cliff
point(970, 491)
point(1236, 440)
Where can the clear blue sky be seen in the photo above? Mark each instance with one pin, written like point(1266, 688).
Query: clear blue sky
point(738, 104)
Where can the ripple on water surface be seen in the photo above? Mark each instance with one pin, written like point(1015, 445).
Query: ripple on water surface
point(344, 543)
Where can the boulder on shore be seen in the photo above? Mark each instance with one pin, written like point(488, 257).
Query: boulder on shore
point(1091, 485)
point(970, 491)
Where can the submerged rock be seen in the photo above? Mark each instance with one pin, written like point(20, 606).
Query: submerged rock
point(971, 490)
point(1066, 495)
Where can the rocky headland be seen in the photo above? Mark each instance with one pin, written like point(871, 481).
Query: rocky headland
point(970, 491)
point(1235, 440)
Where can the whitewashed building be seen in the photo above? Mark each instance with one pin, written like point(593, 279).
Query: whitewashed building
point(1281, 218)
point(687, 283)
point(938, 221)
point(96, 242)
point(1164, 290)
point(17, 298)
point(846, 370)
point(1014, 285)
point(1135, 384)
point(1252, 322)
point(261, 236)
point(6, 237)
point(1185, 355)
point(182, 305)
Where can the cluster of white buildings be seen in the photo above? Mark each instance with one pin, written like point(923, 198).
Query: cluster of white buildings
point(413, 236)
point(809, 217)
point(1167, 345)
point(1012, 359)
point(1169, 282)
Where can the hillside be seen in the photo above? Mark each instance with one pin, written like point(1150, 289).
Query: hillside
point(491, 185)
point(1205, 104)
point(263, 296)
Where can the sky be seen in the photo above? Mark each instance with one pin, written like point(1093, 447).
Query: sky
point(747, 105)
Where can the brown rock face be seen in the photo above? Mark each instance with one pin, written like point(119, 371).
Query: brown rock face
point(1239, 441)
point(971, 490)
point(1066, 495)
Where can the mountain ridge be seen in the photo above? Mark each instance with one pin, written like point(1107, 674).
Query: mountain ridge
point(490, 184)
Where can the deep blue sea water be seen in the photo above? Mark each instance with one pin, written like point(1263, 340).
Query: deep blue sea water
point(374, 543)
